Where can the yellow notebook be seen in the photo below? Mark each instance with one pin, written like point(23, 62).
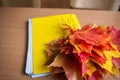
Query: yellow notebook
point(44, 30)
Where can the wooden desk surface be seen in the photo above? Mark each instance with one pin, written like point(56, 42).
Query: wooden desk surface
point(13, 36)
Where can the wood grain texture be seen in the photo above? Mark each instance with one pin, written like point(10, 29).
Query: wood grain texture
point(13, 36)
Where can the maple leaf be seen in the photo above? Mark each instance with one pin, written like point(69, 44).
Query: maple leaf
point(96, 57)
point(95, 76)
point(84, 51)
point(66, 48)
point(90, 68)
point(99, 51)
point(115, 34)
point(116, 62)
point(109, 64)
point(84, 46)
point(83, 57)
point(70, 64)
point(95, 36)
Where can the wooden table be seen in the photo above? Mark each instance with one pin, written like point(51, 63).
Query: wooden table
point(13, 36)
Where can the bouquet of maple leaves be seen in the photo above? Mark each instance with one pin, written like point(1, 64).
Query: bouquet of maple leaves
point(86, 53)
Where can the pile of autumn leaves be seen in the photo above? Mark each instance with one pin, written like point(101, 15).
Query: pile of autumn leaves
point(86, 53)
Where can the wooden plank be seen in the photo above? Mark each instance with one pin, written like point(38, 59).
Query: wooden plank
point(13, 36)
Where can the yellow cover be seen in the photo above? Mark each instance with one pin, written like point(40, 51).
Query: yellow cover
point(44, 30)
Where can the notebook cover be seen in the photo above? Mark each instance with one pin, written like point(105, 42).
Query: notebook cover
point(44, 30)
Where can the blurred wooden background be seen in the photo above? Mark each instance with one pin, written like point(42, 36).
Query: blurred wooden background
point(81, 4)
point(36, 3)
